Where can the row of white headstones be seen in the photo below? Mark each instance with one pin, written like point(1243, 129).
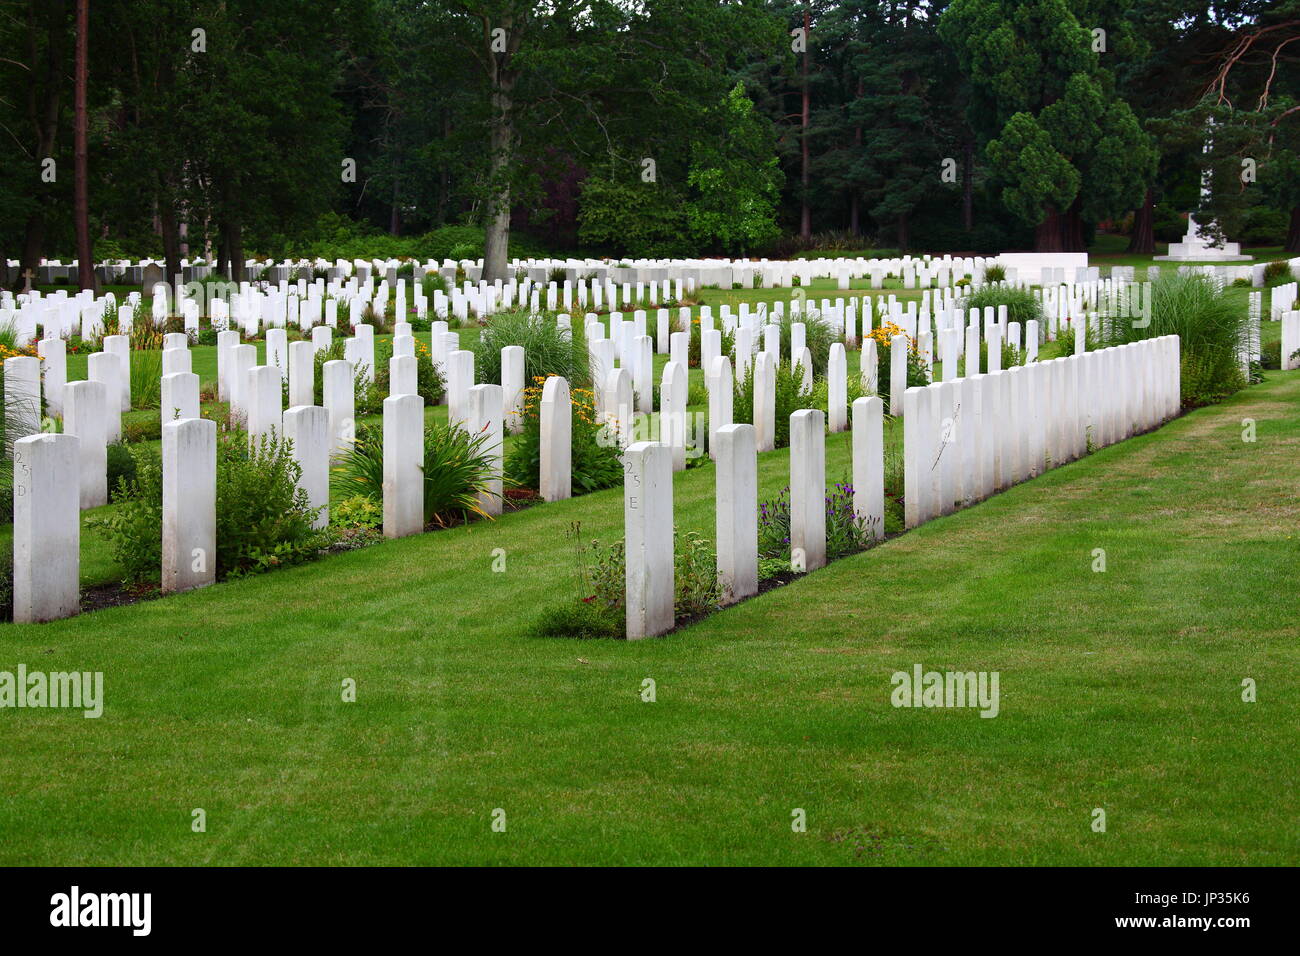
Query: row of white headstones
point(962, 441)
point(317, 434)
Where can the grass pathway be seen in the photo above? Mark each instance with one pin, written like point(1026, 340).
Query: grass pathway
point(1120, 690)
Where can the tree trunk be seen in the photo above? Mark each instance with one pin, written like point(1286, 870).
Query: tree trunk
point(904, 232)
point(1143, 240)
point(45, 119)
point(855, 215)
point(1047, 234)
point(33, 239)
point(496, 239)
point(171, 242)
point(805, 213)
point(1293, 234)
point(968, 186)
point(1072, 228)
point(395, 211)
point(235, 246)
point(81, 187)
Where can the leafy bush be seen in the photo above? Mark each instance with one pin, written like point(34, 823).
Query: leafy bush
point(121, 468)
point(1021, 304)
point(457, 470)
point(1210, 327)
point(1277, 271)
point(695, 347)
point(595, 456)
point(846, 533)
point(600, 578)
point(263, 519)
point(790, 397)
point(548, 348)
point(917, 373)
point(145, 429)
point(818, 338)
point(370, 396)
point(995, 274)
point(359, 511)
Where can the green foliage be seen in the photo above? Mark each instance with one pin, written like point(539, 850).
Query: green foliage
point(695, 345)
point(846, 533)
point(457, 471)
point(358, 511)
point(790, 397)
point(121, 468)
point(735, 181)
point(146, 378)
point(134, 527)
point(1210, 327)
point(548, 348)
point(628, 215)
point(457, 474)
point(594, 453)
point(600, 578)
point(578, 619)
point(1277, 271)
point(263, 519)
point(1021, 304)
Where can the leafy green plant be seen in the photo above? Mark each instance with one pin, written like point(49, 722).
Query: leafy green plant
point(121, 468)
point(790, 397)
point(457, 470)
point(548, 348)
point(146, 378)
point(600, 577)
point(594, 456)
point(695, 346)
point(263, 519)
point(995, 274)
point(1278, 270)
point(1210, 327)
point(358, 511)
point(846, 533)
point(1021, 304)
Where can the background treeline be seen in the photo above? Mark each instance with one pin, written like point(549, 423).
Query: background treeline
point(232, 128)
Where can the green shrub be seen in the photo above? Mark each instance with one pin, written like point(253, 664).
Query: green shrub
point(818, 337)
point(1277, 271)
point(457, 470)
point(548, 348)
point(595, 456)
point(1021, 304)
point(995, 274)
point(358, 511)
point(599, 608)
point(144, 429)
point(146, 378)
point(1210, 326)
point(370, 395)
point(695, 346)
point(121, 468)
point(846, 533)
point(1270, 355)
point(263, 519)
point(790, 397)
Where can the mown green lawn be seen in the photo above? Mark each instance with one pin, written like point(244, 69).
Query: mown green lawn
point(1119, 690)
